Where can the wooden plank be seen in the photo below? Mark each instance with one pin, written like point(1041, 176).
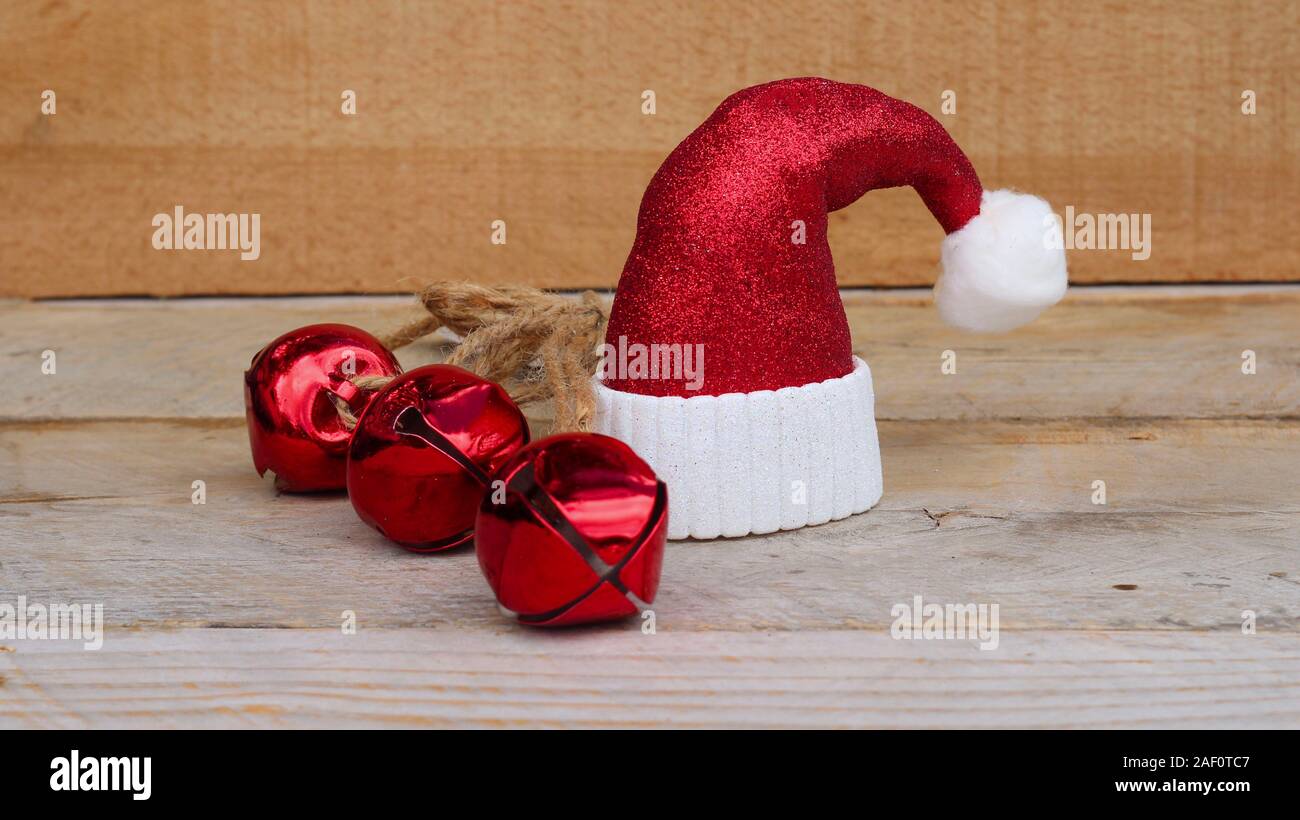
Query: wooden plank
point(531, 113)
point(1127, 352)
point(1201, 518)
point(236, 678)
point(1123, 615)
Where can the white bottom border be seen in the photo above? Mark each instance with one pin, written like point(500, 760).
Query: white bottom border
point(752, 463)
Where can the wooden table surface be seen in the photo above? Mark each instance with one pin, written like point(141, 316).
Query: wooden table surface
point(1124, 614)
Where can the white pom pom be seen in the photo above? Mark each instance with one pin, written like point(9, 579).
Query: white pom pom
point(1004, 267)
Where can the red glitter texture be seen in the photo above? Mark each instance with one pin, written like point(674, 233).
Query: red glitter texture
point(714, 262)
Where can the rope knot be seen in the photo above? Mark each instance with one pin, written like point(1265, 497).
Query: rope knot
point(538, 345)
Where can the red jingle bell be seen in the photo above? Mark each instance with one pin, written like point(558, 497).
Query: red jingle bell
point(577, 536)
point(423, 451)
point(294, 427)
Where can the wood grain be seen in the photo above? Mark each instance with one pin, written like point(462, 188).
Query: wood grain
point(270, 678)
point(530, 112)
point(1128, 614)
point(1200, 516)
point(1103, 353)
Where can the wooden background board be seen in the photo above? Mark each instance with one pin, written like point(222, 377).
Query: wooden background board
point(530, 112)
point(228, 614)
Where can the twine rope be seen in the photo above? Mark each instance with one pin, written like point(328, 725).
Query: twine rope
point(537, 345)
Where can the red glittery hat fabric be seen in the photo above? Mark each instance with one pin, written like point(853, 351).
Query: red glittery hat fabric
point(715, 263)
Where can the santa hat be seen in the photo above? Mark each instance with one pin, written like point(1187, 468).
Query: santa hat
point(775, 427)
